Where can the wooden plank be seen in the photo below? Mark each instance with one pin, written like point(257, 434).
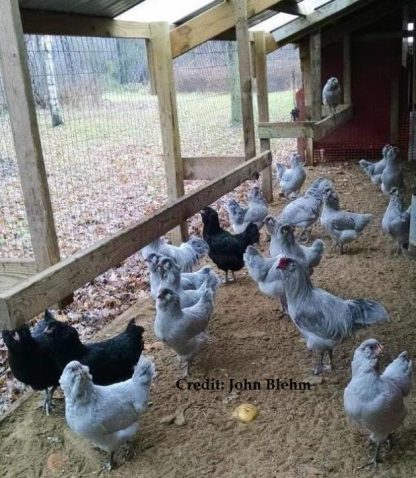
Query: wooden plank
point(285, 129)
point(263, 106)
point(346, 46)
point(246, 87)
point(211, 23)
point(168, 113)
point(13, 271)
point(70, 24)
point(330, 123)
point(151, 67)
point(309, 151)
point(294, 30)
point(315, 76)
point(305, 66)
point(22, 110)
point(209, 167)
point(22, 303)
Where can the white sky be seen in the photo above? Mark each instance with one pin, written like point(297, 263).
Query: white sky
point(274, 22)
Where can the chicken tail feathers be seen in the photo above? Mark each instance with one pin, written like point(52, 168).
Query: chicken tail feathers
point(367, 312)
point(252, 234)
point(318, 246)
point(132, 327)
point(144, 371)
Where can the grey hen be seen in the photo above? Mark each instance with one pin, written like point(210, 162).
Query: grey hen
point(183, 329)
point(186, 255)
point(396, 220)
point(291, 180)
point(375, 401)
point(392, 176)
point(304, 211)
point(331, 94)
point(342, 226)
point(264, 272)
point(324, 319)
point(375, 170)
point(255, 212)
point(106, 415)
point(170, 278)
point(283, 242)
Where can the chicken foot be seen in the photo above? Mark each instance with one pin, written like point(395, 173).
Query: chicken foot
point(374, 461)
point(320, 367)
point(110, 465)
point(48, 403)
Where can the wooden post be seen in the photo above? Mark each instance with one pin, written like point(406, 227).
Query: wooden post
point(305, 63)
point(243, 45)
point(315, 78)
point(165, 87)
point(22, 110)
point(346, 43)
point(263, 106)
point(151, 67)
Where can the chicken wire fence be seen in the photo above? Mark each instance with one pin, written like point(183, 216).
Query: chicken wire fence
point(100, 130)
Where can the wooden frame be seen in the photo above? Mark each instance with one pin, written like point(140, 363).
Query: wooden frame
point(209, 167)
point(32, 296)
point(314, 130)
point(263, 106)
point(70, 24)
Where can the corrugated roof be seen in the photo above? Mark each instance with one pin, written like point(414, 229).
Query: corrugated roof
point(99, 8)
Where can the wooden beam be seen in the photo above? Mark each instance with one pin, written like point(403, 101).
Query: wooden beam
point(151, 67)
point(212, 23)
point(305, 66)
point(32, 296)
point(284, 129)
point(71, 24)
point(263, 106)
point(315, 76)
point(346, 44)
point(294, 30)
point(330, 123)
point(25, 129)
point(209, 167)
point(293, 8)
point(246, 87)
point(166, 92)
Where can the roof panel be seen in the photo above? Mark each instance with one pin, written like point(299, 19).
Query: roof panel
point(164, 10)
point(274, 22)
point(100, 8)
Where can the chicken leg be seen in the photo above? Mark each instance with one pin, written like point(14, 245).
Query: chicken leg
point(48, 403)
point(374, 461)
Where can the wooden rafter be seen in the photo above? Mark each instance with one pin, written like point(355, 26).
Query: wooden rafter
point(294, 30)
point(212, 23)
point(69, 24)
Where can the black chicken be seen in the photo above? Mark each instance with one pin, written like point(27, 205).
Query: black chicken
point(31, 362)
point(226, 249)
point(109, 361)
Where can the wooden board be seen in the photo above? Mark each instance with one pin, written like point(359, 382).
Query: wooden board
point(23, 119)
point(315, 76)
point(68, 24)
point(263, 106)
point(330, 123)
point(168, 113)
point(246, 86)
point(32, 296)
point(212, 23)
point(284, 129)
point(346, 47)
point(209, 167)
point(13, 271)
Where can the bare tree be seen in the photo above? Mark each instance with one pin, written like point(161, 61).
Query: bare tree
point(50, 75)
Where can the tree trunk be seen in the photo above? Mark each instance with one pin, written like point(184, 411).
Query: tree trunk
point(55, 109)
point(236, 116)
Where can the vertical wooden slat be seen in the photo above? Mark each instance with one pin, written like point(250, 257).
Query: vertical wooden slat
point(165, 87)
point(22, 110)
point(315, 78)
point(151, 67)
point(305, 64)
point(263, 105)
point(346, 43)
point(243, 45)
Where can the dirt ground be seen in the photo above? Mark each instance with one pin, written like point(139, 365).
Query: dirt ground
point(297, 433)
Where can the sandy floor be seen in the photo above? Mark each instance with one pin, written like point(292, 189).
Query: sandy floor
point(297, 433)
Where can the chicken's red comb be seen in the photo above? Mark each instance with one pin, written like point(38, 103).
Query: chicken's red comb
point(283, 263)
